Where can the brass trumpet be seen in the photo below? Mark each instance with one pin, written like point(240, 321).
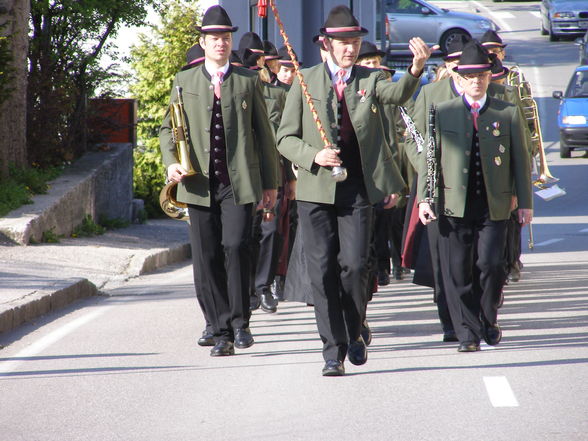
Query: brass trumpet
point(516, 79)
point(167, 197)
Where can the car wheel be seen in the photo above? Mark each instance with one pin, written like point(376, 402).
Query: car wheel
point(552, 36)
point(449, 36)
point(564, 150)
point(543, 30)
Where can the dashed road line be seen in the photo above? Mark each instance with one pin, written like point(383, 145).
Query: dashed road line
point(500, 392)
point(502, 14)
point(536, 13)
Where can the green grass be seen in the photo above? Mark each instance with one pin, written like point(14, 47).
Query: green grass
point(22, 184)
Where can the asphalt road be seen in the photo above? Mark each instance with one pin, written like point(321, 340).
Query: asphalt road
point(127, 367)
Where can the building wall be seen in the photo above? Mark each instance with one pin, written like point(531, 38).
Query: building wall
point(302, 20)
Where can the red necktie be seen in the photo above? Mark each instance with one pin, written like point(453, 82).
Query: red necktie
point(340, 84)
point(475, 113)
point(217, 84)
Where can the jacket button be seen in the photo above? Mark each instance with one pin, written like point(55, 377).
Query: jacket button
point(206, 150)
point(217, 173)
point(207, 130)
point(468, 153)
point(211, 87)
point(465, 170)
point(217, 149)
point(217, 137)
point(218, 115)
point(217, 161)
point(209, 108)
point(205, 173)
point(218, 126)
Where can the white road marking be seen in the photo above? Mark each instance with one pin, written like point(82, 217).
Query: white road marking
point(585, 230)
point(547, 242)
point(536, 13)
point(503, 25)
point(502, 14)
point(49, 339)
point(499, 392)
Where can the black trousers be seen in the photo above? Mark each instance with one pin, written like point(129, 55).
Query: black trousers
point(471, 252)
point(513, 242)
point(265, 247)
point(220, 238)
point(337, 239)
point(439, 289)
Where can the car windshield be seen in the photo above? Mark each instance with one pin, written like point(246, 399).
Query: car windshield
point(578, 87)
point(402, 7)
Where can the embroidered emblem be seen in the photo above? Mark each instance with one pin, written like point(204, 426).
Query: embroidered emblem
point(497, 160)
point(374, 108)
point(244, 105)
point(501, 148)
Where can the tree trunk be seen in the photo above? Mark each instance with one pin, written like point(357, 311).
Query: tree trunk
point(13, 111)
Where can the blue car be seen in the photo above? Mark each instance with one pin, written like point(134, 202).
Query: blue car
point(572, 115)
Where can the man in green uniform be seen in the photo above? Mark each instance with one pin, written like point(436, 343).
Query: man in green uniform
point(480, 162)
point(224, 107)
point(336, 216)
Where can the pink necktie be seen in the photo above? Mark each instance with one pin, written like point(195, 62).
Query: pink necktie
point(217, 84)
point(475, 113)
point(340, 84)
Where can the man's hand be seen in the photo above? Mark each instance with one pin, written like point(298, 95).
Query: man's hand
point(267, 204)
point(513, 203)
point(426, 215)
point(176, 173)
point(525, 216)
point(328, 157)
point(421, 53)
point(391, 201)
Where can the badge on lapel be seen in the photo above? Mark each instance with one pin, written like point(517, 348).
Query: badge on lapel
point(244, 105)
point(497, 160)
point(374, 108)
point(496, 131)
point(362, 93)
point(501, 148)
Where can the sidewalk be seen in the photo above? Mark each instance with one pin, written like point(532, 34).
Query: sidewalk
point(36, 279)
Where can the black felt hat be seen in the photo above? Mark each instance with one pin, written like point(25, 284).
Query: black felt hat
point(235, 59)
point(285, 57)
point(252, 41)
point(318, 40)
point(194, 57)
point(271, 53)
point(498, 70)
point(368, 49)
point(342, 24)
point(455, 47)
point(216, 19)
point(474, 59)
point(248, 58)
point(491, 39)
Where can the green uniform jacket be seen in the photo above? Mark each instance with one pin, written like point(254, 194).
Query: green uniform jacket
point(252, 166)
point(504, 157)
point(299, 139)
point(440, 91)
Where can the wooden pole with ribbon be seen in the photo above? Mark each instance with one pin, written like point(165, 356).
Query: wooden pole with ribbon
point(262, 12)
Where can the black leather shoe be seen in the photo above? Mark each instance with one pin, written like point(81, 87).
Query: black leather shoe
point(279, 288)
point(357, 352)
point(366, 333)
point(449, 336)
point(398, 274)
point(492, 334)
point(333, 368)
point(268, 303)
point(207, 339)
point(243, 338)
point(468, 346)
point(223, 348)
point(501, 299)
point(254, 302)
point(383, 278)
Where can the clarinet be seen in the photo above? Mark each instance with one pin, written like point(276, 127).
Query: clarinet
point(431, 159)
point(414, 133)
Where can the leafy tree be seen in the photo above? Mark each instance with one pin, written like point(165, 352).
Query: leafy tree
point(67, 39)
point(155, 61)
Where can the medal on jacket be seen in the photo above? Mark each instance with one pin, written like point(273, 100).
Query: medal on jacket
point(362, 93)
point(374, 108)
point(497, 160)
point(244, 105)
point(496, 126)
point(501, 148)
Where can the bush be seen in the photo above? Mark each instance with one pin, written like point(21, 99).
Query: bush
point(149, 177)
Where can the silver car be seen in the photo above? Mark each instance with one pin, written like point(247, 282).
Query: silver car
point(416, 18)
point(563, 17)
